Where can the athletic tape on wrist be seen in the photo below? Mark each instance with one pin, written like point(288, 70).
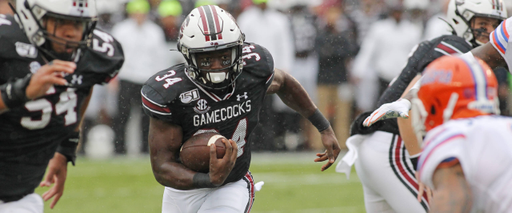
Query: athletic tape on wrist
point(13, 92)
point(202, 180)
point(319, 121)
point(68, 147)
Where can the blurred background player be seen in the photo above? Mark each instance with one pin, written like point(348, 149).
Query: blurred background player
point(225, 79)
point(51, 57)
point(145, 49)
point(467, 149)
point(381, 152)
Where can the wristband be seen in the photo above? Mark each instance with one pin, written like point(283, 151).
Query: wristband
point(13, 92)
point(414, 160)
point(202, 180)
point(68, 147)
point(319, 121)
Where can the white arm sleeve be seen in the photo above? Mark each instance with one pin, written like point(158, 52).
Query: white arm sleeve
point(499, 39)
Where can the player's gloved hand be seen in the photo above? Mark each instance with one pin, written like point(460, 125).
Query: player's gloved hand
point(220, 168)
point(48, 75)
point(399, 108)
point(332, 148)
point(56, 174)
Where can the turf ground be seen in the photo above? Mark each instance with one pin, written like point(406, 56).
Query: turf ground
point(293, 183)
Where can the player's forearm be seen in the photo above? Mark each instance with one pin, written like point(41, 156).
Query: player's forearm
point(488, 54)
point(405, 125)
point(173, 174)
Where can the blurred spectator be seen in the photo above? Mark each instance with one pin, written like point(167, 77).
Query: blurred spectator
point(435, 25)
point(270, 29)
point(384, 50)
point(305, 70)
point(416, 11)
point(170, 12)
point(335, 49)
point(103, 103)
point(4, 7)
point(364, 13)
point(144, 47)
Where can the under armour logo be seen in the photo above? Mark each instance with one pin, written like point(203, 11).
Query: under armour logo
point(238, 97)
point(77, 79)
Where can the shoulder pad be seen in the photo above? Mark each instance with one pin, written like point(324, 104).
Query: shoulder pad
point(257, 60)
point(11, 36)
point(105, 54)
point(428, 51)
point(165, 86)
point(450, 44)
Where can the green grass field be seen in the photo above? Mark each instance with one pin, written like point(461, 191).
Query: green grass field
point(293, 183)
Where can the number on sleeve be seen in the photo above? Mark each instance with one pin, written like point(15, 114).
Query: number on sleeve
point(106, 46)
point(169, 81)
point(239, 136)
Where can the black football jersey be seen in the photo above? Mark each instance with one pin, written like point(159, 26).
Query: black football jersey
point(425, 53)
point(421, 57)
point(172, 96)
point(29, 135)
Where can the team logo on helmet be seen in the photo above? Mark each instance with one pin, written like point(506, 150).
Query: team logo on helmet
point(454, 87)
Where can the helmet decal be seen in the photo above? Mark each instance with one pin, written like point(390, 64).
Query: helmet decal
point(210, 23)
point(455, 87)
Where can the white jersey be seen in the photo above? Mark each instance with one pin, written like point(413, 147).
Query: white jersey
point(483, 146)
point(499, 38)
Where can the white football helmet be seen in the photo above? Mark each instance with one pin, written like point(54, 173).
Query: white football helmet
point(460, 13)
point(30, 14)
point(211, 28)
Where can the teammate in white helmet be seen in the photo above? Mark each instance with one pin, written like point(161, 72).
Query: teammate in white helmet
point(386, 157)
point(50, 58)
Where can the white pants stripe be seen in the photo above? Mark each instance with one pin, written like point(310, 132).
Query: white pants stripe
point(399, 161)
point(384, 168)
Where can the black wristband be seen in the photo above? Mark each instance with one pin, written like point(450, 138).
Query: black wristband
point(68, 147)
point(414, 161)
point(319, 121)
point(13, 92)
point(202, 180)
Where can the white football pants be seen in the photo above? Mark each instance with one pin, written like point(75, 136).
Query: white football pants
point(387, 175)
point(32, 203)
point(236, 197)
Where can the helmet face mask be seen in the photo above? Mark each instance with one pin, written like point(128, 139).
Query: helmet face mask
point(59, 28)
point(211, 30)
point(461, 15)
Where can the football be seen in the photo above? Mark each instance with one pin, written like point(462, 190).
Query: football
point(195, 152)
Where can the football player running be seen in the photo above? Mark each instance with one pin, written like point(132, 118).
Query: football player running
point(467, 151)
point(378, 150)
point(221, 88)
point(50, 58)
